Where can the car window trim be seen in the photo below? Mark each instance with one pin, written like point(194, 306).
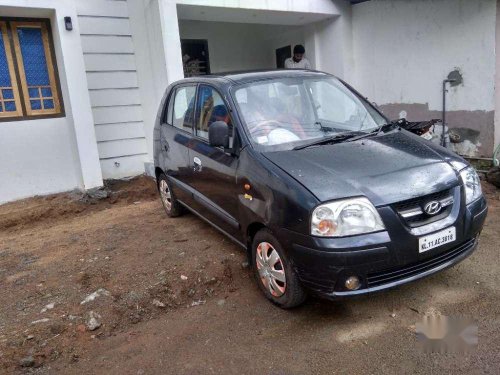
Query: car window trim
point(166, 106)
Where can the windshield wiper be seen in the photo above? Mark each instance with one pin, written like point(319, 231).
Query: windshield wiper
point(391, 124)
point(333, 139)
point(377, 131)
point(323, 128)
point(349, 136)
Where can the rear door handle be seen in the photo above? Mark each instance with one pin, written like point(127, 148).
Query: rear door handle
point(197, 164)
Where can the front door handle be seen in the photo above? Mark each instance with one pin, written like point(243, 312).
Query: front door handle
point(197, 164)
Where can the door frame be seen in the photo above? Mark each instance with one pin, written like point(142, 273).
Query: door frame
point(205, 44)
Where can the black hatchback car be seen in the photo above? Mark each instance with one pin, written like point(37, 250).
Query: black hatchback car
point(324, 193)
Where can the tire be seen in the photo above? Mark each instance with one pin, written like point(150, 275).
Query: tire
point(281, 288)
point(172, 207)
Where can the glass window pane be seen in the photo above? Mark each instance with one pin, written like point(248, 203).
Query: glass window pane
point(8, 94)
point(36, 104)
point(48, 104)
point(184, 108)
point(211, 108)
point(34, 93)
point(10, 106)
point(4, 68)
point(33, 53)
point(1, 108)
point(46, 92)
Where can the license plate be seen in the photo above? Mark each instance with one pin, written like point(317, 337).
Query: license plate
point(437, 239)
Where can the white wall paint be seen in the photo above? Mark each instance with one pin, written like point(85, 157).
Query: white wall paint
point(281, 36)
point(317, 6)
point(404, 49)
point(110, 63)
point(36, 159)
point(51, 155)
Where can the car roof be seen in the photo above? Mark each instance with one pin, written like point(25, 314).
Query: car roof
point(247, 76)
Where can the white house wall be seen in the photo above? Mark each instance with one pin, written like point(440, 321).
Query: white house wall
point(403, 50)
point(110, 64)
point(43, 156)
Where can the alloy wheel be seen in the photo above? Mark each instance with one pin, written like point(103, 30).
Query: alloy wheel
point(165, 194)
point(271, 269)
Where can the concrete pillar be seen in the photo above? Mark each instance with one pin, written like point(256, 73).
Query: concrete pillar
point(78, 105)
point(171, 40)
point(333, 43)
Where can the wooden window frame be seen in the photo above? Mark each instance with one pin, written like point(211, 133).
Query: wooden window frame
point(13, 48)
point(13, 78)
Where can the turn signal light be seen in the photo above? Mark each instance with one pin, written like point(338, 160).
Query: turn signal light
point(327, 227)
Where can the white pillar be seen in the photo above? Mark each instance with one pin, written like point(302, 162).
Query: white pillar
point(79, 108)
point(171, 40)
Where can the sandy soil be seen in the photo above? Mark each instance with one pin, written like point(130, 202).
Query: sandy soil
point(175, 297)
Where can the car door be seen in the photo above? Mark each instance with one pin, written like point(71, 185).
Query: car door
point(176, 134)
point(213, 170)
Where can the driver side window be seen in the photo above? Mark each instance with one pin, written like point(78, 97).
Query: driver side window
point(211, 108)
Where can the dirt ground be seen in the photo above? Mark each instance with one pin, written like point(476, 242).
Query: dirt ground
point(175, 296)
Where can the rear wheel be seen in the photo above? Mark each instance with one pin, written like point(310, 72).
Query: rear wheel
point(274, 272)
point(170, 204)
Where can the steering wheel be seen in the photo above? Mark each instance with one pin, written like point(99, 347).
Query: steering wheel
point(266, 125)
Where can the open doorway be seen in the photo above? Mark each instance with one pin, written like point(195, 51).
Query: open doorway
point(282, 54)
point(195, 57)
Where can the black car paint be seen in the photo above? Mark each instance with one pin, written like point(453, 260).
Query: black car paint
point(287, 185)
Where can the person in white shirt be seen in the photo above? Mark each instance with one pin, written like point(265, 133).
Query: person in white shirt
point(298, 61)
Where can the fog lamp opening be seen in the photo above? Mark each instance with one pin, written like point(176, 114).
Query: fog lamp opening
point(352, 283)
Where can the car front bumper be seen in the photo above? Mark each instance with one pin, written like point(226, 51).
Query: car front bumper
point(381, 260)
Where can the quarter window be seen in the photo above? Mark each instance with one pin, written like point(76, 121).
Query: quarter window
point(28, 81)
point(184, 108)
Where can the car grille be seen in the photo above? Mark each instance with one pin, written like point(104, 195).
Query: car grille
point(412, 211)
point(395, 274)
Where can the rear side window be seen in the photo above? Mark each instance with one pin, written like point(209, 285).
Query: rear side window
point(183, 111)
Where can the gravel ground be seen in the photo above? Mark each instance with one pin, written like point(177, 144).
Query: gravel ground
point(114, 286)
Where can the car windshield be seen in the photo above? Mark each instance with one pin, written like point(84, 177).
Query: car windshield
point(284, 113)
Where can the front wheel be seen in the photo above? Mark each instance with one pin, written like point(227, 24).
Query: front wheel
point(274, 272)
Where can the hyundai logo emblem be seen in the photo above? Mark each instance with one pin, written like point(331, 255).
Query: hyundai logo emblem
point(432, 208)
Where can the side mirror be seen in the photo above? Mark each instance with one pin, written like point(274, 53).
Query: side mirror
point(218, 134)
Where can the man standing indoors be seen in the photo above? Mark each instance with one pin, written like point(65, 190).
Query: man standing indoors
point(298, 61)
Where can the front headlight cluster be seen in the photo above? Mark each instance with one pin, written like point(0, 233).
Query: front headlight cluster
point(472, 184)
point(345, 218)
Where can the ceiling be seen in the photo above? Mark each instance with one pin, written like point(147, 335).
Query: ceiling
point(239, 15)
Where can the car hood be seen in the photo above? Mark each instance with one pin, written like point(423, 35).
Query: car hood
point(387, 168)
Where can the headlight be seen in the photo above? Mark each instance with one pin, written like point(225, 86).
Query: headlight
point(472, 184)
point(345, 218)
